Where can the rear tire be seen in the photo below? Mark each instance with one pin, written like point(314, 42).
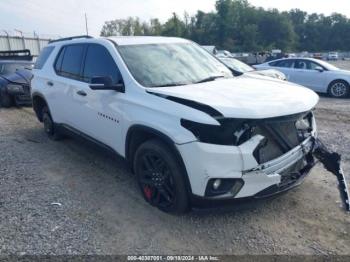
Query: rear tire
point(338, 89)
point(160, 177)
point(50, 127)
point(6, 100)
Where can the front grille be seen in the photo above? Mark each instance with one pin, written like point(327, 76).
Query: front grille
point(26, 89)
point(281, 136)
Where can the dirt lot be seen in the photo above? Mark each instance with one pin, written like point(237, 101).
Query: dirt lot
point(102, 211)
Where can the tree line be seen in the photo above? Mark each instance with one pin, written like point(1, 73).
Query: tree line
point(237, 26)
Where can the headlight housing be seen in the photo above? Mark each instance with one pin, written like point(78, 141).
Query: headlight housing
point(229, 132)
point(15, 89)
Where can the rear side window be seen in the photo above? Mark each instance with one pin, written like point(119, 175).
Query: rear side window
point(99, 62)
point(69, 61)
point(285, 63)
point(44, 55)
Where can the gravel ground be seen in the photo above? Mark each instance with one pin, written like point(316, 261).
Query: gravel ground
point(102, 212)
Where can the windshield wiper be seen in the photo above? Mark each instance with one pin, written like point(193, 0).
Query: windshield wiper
point(167, 85)
point(208, 79)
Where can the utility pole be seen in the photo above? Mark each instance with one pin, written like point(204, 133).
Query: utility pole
point(19, 31)
point(86, 25)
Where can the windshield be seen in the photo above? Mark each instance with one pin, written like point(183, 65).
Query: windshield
point(156, 65)
point(11, 68)
point(236, 65)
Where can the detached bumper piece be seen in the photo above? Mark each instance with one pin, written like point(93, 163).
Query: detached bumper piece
point(332, 162)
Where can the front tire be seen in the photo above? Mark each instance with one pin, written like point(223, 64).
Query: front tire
point(49, 126)
point(160, 177)
point(338, 89)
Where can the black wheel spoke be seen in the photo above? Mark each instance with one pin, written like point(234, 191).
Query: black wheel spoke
point(165, 194)
point(159, 165)
point(168, 190)
point(147, 163)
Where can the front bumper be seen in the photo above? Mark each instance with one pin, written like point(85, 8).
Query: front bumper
point(205, 161)
point(20, 93)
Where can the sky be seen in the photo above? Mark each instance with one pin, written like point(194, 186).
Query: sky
point(66, 17)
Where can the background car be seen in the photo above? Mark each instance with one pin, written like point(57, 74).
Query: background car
point(317, 56)
point(317, 75)
point(332, 56)
point(238, 68)
point(15, 76)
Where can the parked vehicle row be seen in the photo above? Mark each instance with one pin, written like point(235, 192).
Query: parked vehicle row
point(317, 75)
point(238, 68)
point(191, 131)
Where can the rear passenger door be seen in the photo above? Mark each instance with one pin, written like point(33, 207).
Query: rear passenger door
point(286, 67)
point(68, 67)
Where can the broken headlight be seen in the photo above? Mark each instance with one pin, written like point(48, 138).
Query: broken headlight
point(304, 126)
point(229, 132)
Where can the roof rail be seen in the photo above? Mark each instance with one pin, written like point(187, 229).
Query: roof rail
point(16, 55)
point(70, 38)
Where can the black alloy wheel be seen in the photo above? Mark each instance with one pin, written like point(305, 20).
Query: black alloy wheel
point(160, 177)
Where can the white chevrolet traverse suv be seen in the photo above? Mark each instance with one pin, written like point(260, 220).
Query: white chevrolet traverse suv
point(191, 132)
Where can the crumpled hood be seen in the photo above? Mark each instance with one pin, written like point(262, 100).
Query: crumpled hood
point(246, 97)
point(21, 76)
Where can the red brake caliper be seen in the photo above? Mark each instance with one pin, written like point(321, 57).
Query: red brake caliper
point(148, 192)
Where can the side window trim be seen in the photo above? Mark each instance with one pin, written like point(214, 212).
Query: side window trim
point(61, 51)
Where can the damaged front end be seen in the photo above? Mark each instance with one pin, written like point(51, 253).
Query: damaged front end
point(277, 153)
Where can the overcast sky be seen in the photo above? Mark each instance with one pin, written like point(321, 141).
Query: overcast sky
point(66, 17)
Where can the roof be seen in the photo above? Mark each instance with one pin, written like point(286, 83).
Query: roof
point(295, 58)
point(140, 40)
point(120, 40)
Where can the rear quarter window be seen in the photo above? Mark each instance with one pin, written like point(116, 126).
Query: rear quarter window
point(44, 55)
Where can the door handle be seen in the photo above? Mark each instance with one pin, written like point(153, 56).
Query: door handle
point(49, 83)
point(81, 93)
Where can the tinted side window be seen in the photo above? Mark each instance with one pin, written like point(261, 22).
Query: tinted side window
point(72, 60)
point(99, 62)
point(44, 55)
point(285, 63)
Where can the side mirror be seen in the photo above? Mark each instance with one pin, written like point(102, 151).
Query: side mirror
point(319, 69)
point(106, 83)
